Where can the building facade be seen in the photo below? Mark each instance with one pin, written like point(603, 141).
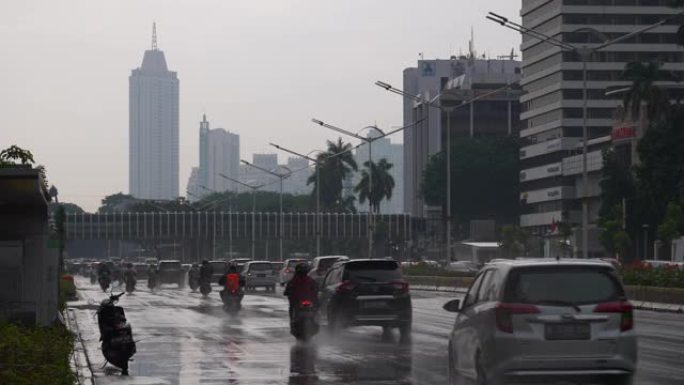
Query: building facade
point(153, 128)
point(551, 162)
point(443, 85)
point(219, 154)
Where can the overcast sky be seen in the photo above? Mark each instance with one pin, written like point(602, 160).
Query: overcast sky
point(259, 68)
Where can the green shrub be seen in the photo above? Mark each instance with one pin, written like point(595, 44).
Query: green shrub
point(643, 274)
point(35, 355)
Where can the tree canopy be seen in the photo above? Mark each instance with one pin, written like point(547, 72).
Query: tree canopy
point(485, 179)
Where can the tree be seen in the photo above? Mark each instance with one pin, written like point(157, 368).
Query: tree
point(383, 184)
point(613, 237)
point(335, 165)
point(617, 183)
point(485, 178)
point(115, 202)
point(643, 90)
point(513, 241)
point(671, 227)
point(12, 154)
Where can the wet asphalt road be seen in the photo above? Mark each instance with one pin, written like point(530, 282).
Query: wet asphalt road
point(185, 339)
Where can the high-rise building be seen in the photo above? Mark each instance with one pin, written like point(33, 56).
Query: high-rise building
point(219, 154)
point(153, 128)
point(394, 154)
point(296, 184)
point(449, 83)
point(551, 156)
point(193, 189)
point(257, 177)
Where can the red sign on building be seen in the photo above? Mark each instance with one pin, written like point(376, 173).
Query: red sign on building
point(620, 133)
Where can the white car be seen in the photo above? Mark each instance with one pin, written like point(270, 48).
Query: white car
point(543, 320)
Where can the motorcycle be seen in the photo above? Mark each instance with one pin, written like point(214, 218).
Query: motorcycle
point(304, 321)
point(232, 301)
point(116, 335)
point(194, 283)
point(205, 287)
point(152, 282)
point(130, 286)
point(104, 281)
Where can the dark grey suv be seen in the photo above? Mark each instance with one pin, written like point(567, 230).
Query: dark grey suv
point(366, 292)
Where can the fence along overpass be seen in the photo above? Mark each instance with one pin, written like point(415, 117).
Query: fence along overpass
point(217, 225)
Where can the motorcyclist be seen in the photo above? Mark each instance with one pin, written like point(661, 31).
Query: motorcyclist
point(194, 274)
point(232, 281)
point(103, 271)
point(130, 275)
point(151, 276)
point(206, 271)
point(301, 288)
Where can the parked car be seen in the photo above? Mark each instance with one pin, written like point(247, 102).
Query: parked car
point(287, 272)
point(320, 266)
point(366, 292)
point(170, 271)
point(543, 320)
point(259, 274)
point(219, 269)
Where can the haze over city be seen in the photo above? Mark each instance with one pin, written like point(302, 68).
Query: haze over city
point(259, 69)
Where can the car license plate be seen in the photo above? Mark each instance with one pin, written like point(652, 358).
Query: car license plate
point(374, 304)
point(568, 331)
point(261, 275)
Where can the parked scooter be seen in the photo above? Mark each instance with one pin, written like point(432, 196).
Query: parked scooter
point(304, 321)
point(115, 333)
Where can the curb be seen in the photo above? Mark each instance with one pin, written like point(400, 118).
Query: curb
point(80, 361)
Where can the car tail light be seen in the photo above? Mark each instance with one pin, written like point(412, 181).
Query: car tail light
point(305, 303)
point(505, 312)
point(401, 287)
point(346, 287)
point(287, 270)
point(622, 307)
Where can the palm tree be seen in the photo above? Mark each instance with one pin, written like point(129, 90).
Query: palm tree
point(383, 184)
point(643, 89)
point(335, 165)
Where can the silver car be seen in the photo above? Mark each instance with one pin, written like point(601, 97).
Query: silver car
point(259, 274)
point(287, 272)
point(542, 320)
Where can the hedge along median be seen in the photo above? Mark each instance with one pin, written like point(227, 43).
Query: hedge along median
point(665, 295)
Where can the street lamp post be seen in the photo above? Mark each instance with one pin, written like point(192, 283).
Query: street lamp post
point(282, 177)
point(585, 54)
point(369, 140)
point(254, 189)
point(213, 236)
point(449, 110)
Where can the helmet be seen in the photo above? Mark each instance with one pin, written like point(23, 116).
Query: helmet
point(232, 269)
point(301, 269)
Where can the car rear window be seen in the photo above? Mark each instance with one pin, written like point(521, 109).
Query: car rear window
point(372, 271)
point(260, 267)
point(326, 263)
point(574, 284)
point(218, 266)
point(169, 265)
point(294, 263)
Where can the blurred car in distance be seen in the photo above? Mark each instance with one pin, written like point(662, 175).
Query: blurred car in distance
point(287, 271)
point(320, 266)
point(259, 274)
point(170, 271)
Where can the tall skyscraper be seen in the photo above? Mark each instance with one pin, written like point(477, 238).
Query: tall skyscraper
point(219, 154)
point(153, 127)
point(551, 156)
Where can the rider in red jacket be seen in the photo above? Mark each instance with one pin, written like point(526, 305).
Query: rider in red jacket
point(301, 288)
